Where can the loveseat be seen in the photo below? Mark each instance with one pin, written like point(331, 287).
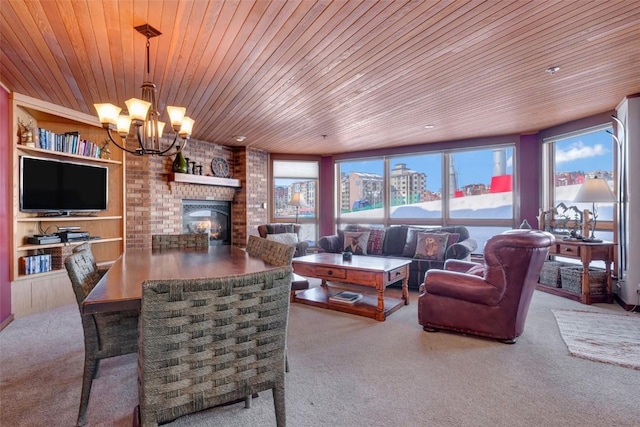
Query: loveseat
point(428, 247)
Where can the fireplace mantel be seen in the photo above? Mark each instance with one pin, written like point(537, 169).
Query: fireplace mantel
point(204, 180)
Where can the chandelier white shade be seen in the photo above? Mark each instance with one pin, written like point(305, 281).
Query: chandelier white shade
point(143, 116)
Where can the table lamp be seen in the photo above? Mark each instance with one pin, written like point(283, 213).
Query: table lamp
point(595, 190)
point(297, 200)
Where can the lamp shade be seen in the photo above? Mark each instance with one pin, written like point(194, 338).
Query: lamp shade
point(297, 199)
point(595, 190)
point(107, 113)
point(186, 127)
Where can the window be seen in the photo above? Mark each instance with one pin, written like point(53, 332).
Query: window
point(415, 186)
point(481, 184)
point(361, 189)
point(571, 160)
point(295, 193)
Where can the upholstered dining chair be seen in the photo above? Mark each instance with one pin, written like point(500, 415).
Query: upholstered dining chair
point(207, 342)
point(105, 334)
point(490, 299)
point(179, 241)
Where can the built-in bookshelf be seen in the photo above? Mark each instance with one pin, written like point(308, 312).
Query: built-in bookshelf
point(63, 134)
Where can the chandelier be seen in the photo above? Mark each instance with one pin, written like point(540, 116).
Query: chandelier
point(143, 116)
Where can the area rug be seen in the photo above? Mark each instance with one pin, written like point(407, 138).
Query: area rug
point(603, 337)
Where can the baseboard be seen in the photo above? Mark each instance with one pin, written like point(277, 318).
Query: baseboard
point(627, 307)
point(6, 322)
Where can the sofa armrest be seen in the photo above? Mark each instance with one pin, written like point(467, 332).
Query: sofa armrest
point(461, 286)
point(331, 244)
point(461, 250)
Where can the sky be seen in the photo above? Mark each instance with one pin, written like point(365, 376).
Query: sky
point(586, 153)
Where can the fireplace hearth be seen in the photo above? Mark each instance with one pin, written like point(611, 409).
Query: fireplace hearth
point(208, 216)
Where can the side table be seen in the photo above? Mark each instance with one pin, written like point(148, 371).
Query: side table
point(586, 252)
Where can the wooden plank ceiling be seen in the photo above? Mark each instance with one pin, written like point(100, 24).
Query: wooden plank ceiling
point(367, 74)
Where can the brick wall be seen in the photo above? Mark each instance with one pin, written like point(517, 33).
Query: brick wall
point(154, 204)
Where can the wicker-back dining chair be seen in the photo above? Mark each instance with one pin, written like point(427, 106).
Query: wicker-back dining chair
point(255, 246)
point(206, 342)
point(105, 334)
point(179, 241)
point(276, 253)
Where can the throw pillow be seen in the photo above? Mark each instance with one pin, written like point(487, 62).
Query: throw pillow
point(431, 246)
point(477, 270)
point(286, 238)
point(412, 240)
point(356, 242)
point(451, 238)
point(376, 239)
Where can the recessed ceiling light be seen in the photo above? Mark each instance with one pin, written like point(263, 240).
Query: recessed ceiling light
point(552, 70)
point(429, 126)
point(240, 138)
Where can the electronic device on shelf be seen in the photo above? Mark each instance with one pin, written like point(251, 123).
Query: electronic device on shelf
point(73, 236)
point(43, 239)
point(69, 228)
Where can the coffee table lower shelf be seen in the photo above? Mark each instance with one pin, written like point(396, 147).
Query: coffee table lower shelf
point(319, 297)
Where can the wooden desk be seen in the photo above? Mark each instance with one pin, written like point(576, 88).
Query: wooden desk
point(121, 287)
point(585, 252)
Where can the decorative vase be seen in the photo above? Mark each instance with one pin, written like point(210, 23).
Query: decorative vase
point(180, 163)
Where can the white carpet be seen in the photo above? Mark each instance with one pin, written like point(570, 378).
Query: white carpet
point(608, 338)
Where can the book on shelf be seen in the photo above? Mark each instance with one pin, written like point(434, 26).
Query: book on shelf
point(346, 297)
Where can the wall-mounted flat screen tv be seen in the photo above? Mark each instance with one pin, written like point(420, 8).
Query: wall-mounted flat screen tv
point(55, 186)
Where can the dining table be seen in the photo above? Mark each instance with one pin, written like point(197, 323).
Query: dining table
point(120, 288)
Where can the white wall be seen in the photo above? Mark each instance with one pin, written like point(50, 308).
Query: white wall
point(629, 112)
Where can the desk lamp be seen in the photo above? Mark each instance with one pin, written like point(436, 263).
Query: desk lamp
point(594, 190)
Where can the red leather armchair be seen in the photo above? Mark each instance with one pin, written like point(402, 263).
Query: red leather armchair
point(490, 300)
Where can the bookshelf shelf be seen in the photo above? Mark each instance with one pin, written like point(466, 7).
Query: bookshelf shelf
point(67, 218)
point(35, 150)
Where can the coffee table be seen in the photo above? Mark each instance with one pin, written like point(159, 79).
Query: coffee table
point(365, 271)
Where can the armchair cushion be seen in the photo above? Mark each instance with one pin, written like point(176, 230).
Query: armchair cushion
point(459, 265)
point(462, 286)
point(477, 270)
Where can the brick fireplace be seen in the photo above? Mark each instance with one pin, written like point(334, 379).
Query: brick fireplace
point(154, 202)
